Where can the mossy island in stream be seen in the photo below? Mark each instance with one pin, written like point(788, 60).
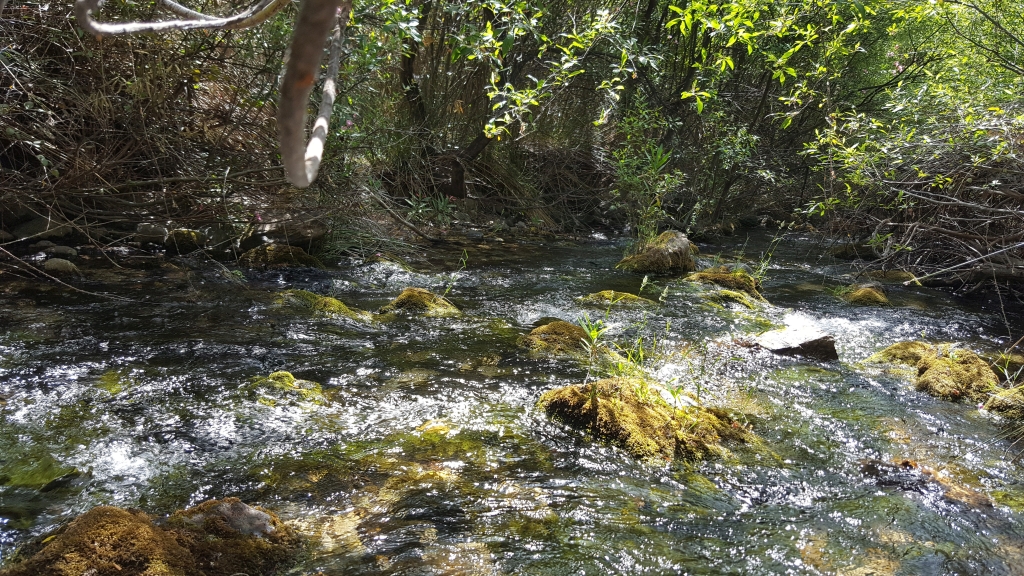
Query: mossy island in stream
point(736, 279)
point(281, 386)
point(632, 414)
point(868, 294)
point(322, 305)
point(943, 371)
point(671, 252)
point(421, 301)
point(278, 256)
point(558, 337)
point(217, 538)
point(610, 297)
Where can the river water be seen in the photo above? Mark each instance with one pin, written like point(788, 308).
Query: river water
point(424, 454)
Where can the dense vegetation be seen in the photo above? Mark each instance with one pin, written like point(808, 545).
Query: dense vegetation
point(896, 125)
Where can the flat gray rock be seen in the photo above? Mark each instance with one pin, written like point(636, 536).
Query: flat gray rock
point(806, 342)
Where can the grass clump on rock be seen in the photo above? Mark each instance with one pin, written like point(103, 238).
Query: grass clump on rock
point(421, 301)
point(629, 413)
point(231, 538)
point(671, 252)
point(943, 372)
point(322, 305)
point(608, 297)
point(736, 279)
point(558, 337)
point(278, 256)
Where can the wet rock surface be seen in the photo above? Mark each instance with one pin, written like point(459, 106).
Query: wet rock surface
point(669, 253)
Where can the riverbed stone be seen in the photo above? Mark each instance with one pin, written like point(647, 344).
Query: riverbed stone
point(62, 252)
point(322, 305)
point(558, 337)
point(421, 301)
point(669, 253)
point(728, 278)
point(60, 266)
point(610, 297)
point(184, 241)
point(630, 413)
point(1008, 403)
point(943, 371)
point(278, 256)
point(800, 341)
point(868, 294)
point(42, 228)
point(148, 232)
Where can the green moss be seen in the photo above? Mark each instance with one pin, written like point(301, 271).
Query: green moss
point(669, 252)
point(909, 353)
point(33, 469)
point(1011, 497)
point(322, 305)
point(892, 276)
point(421, 301)
point(950, 374)
point(729, 279)
point(732, 296)
point(556, 337)
point(866, 295)
point(628, 414)
point(115, 381)
point(282, 385)
point(609, 297)
point(1008, 403)
point(278, 256)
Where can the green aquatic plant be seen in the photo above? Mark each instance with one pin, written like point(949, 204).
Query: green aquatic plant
point(455, 275)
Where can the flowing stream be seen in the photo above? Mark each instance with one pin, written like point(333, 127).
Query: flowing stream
point(425, 453)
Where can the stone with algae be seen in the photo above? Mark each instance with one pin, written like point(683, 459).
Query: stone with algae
point(631, 413)
point(421, 301)
point(322, 305)
point(558, 337)
point(869, 294)
point(671, 252)
point(730, 279)
point(943, 371)
point(610, 297)
point(216, 538)
point(281, 386)
point(278, 256)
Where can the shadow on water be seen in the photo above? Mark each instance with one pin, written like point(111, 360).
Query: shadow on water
point(422, 452)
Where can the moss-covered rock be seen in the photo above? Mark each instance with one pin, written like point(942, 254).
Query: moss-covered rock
point(558, 337)
point(278, 256)
point(866, 295)
point(944, 372)
point(630, 414)
point(731, 279)
point(216, 538)
point(723, 296)
point(322, 305)
point(669, 253)
point(1008, 403)
point(282, 386)
point(852, 251)
point(609, 297)
point(891, 275)
point(420, 301)
point(184, 241)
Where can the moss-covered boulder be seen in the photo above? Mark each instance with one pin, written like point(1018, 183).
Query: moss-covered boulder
point(609, 297)
point(866, 295)
point(558, 337)
point(669, 253)
point(725, 296)
point(184, 241)
point(630, 413)
point(278, 256)
point(216, 538)
point(892, 275)
point(322, 305)
point(730, 279)
point(943, 371)
point(1008, 403)
point(420, 301)
point(281, 386)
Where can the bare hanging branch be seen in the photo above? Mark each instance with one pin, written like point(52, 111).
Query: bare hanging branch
point(302, 160)
point(183, 11)
point(256, 14)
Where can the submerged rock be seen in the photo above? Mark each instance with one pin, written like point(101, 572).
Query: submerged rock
point(793, 341)
point(278, 256)
point(282, 385)
point(322, 305)
point(631, 414)
point(558, 337)
point(723, 296)
point(609, 297)
point(871, 294)
point(421, 301)
point(216, 538)
point(942, 371)
point(671, 252)
point(60, 266)
point(729, 278)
